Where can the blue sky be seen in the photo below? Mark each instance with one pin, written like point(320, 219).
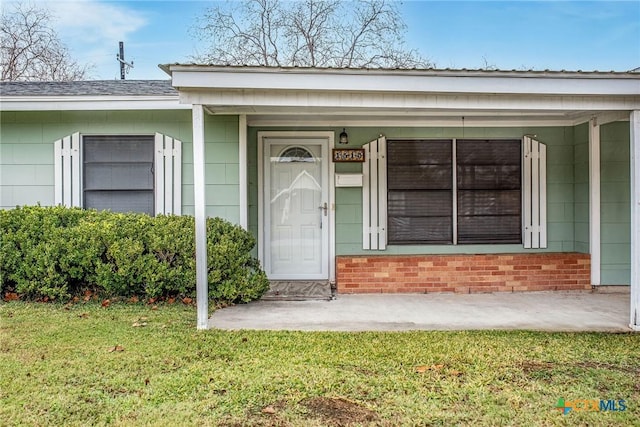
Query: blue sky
point(571, 35)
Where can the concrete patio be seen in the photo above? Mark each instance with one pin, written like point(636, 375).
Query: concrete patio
point(543, 311)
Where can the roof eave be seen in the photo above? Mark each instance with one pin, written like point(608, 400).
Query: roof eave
point(90, 103)
point(216, 78)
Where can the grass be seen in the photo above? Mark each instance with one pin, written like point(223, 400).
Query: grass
point(130, 365)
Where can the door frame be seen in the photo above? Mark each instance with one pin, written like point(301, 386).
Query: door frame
point(327, 138)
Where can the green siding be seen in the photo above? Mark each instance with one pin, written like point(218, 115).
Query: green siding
point(615, 210)
point(26, 152)
point(26, 175)
point(560, 154)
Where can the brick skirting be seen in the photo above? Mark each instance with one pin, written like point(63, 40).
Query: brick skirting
point(463, 273)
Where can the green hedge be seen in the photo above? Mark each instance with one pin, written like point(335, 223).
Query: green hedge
point(57, 253)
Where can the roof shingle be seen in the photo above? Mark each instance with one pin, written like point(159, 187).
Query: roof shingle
point(89, 88)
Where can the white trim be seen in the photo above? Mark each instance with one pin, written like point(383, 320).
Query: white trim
point(57, 172)
point(202, 286)
point(635, 219)
point(167, 175)
point(542, 195)
point(374, 195)
point(158, 174)
point(366, 201)
point(430, 119)
point(614, 116)
point(454, 188)
point(332, 209)
point(90, 103)
point(177, 177)
point(261, 244)
point(67, 183)
point(526, 192)
point(67, 171)
point(378, 103)
point(76, 168)
point(594, 200)
point(382, 193)
point(329, 138)
point(190, 77)
point(242, 170)
point(534, 193)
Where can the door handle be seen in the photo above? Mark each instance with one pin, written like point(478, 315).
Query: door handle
point(324, 208)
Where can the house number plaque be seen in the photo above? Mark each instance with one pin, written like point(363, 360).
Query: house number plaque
point(348, 154)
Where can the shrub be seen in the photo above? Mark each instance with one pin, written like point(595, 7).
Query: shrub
point(231, 266)
point(39, 255)
point(56, 252)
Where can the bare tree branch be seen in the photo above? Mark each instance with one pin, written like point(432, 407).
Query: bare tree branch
point(30, 49)
point(306, 33)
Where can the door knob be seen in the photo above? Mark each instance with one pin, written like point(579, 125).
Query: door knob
point(324, 208)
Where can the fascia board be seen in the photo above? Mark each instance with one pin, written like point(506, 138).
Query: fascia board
point(93, 103)
point(336, 101)
point(423, 122)
point(407, 83)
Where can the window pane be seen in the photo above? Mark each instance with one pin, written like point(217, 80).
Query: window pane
point(416, 230)
point(480, 177)
point(488, 152)
point(120, 201)
point(419, 203)
point(419, 177)
point(488, 202)
point(118, 149)
point(489, 229)
point(118, 176)
point(419, 152)
point(420, 195)
point(488, 191)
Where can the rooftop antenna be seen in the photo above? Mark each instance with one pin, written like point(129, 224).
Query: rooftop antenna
point(124, 65)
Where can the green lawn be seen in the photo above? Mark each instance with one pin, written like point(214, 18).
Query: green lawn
point(128, 364)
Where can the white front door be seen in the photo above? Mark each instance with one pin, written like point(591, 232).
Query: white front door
point(295, 208)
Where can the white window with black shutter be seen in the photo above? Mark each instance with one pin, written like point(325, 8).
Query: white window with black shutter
point(459, 191)
point(121, 173)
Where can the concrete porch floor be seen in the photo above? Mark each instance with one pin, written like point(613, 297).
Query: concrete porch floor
point(543, 311)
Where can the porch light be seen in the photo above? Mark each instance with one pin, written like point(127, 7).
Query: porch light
point(344, 138)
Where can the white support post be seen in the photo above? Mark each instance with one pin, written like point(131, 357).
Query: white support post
point(635, 219)
point(202, 286)
point(242, 181)
point(594, 200)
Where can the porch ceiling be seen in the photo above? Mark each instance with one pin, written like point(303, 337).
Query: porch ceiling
point(443, 118)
